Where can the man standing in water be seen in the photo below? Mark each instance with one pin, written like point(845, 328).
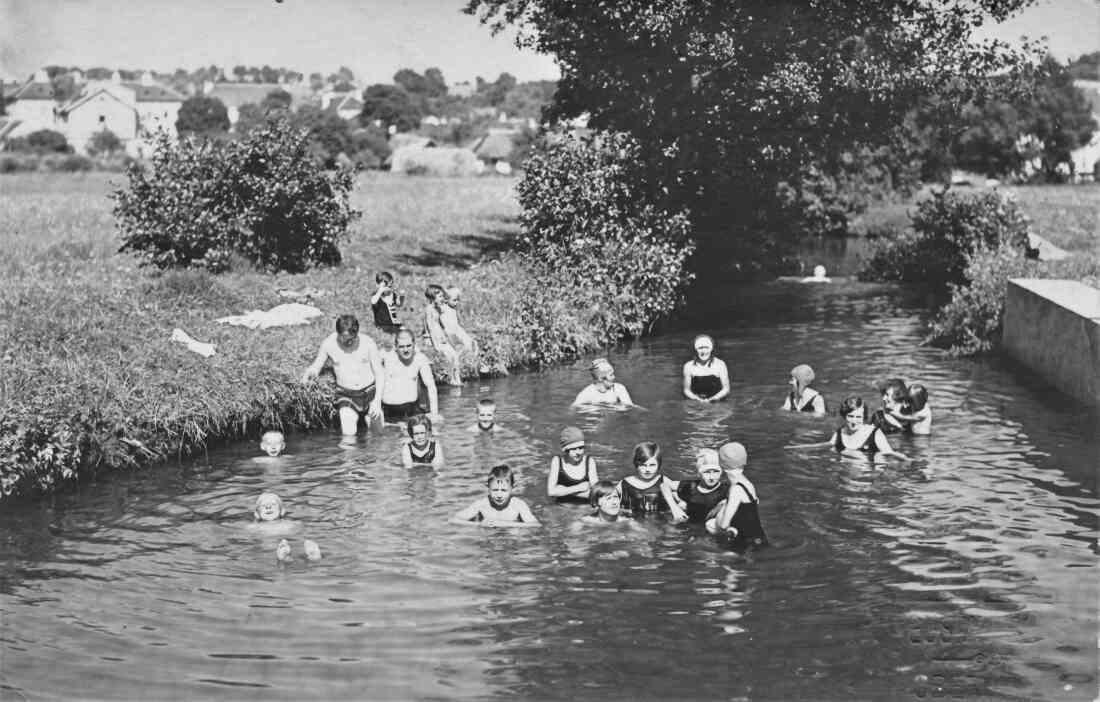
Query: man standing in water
point(406, 369)
point(357, 366)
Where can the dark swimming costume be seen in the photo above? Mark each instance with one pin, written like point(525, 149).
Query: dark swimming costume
point(383, 314)
point(358, 400)
point(643, 500)
point(425, 458)
point(701, 505)
point(708, 385)
point(565, 480)
point(808, 406)
point(878, 418)
point(747, 522)
point(868, 446)
point(396, 413)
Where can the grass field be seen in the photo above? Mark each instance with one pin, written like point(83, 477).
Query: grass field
point(90, 377)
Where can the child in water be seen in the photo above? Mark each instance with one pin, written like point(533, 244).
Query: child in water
point(573, 472)
point(894, 399)
point(486, 424)
point(739, 516)
point(700, 498)
point(649, 491)
point(706, 377)
point(856, 436)
point(273, 443)
point(269, 515)
point(915, 414)
point(803, 398)
point(499, 508)
point(604, 498)
point(421, 449)
point(604, 391)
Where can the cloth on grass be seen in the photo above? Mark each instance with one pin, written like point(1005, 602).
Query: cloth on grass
point(286, 315)
point(199, 347)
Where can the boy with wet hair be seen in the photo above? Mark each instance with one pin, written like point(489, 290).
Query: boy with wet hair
point(486, 418)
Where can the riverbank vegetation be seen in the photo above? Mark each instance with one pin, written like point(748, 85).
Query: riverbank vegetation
point(91, 379)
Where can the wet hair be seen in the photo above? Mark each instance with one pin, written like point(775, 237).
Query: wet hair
point(404, 331)
point(486, 402)
point(347, 323)
point(851, 404)
point(918, 397)
point(432, 291)
point(384, 277)
point(501, 472)
point(895, 388)
point(600, 490)
point(645, 451)
point(600, 368)
point(419, 420)
point(275, 435)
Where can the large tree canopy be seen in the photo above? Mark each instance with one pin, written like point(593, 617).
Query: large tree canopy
point(730, 98)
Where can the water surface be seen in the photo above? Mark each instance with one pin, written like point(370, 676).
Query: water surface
point(969, 573)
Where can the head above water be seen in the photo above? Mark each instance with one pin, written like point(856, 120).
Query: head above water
point(571, 438)
point(703, 344)
point(851, 405)
point(269, 507)
point(272, 442)
point(601, 368)
point(502, 472)
point(416, 421)
point(819, 271)
point(733, 456)
point(803, 376)
point(918, 397)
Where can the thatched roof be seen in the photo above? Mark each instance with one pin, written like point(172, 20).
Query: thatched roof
point(497, 145)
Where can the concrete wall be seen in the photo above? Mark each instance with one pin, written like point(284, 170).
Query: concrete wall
point(1053, 327)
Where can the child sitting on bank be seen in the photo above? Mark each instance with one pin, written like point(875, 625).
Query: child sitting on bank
point(435, 333)
point(573, 472)
point(486, 424)
point(421, 449)
point(915, 414)
point(738, 517)
point(448, 317)
point(649, 491)
point(384, 303)
point(500, 507)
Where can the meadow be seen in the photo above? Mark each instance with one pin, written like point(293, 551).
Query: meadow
point(90, 378)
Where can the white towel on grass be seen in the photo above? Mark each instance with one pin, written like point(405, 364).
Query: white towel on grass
point(285, 315)
point(199, 347)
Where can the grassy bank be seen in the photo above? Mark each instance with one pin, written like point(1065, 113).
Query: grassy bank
point(91, 380)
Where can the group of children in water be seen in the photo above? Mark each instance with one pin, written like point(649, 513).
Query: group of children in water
point(391, 385)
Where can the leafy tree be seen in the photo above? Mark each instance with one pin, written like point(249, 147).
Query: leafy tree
point(728, 101)
point(249, 117)
point(411, 81)
point(47, 141)
point(493, 94)
point(64, 86)
point(437, 85)
point(527, 100)
point(1059, 118)
point(277, 100)
point(343, 87)
point(268, 74)
point(202, 115)
point(1086, 67)
point(316, 81)
point(239, 73)
point(392, 105)
point(104, 142)
point(328, 135)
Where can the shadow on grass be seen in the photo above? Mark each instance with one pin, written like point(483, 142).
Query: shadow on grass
point(465, 250)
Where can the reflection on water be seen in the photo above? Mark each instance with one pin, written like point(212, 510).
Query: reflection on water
point(971, 572)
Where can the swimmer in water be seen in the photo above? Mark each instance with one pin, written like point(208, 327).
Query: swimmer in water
point(706, 377)
point(649, 491)
point(573, 472)
point(486, 424)
point(700, 498)
point(803, 398)
point(818, 276)
point(499, 507)
point(421, 448)
point(916, 414)
point(272, 443)
point(738, 518)
point(857, 437)
point(604, 391)
point(270, 516)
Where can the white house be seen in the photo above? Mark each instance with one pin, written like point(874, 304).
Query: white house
point(234, 95)
point(34, 107)
point(133, 111)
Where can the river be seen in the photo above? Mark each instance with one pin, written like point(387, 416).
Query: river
point(969, 573)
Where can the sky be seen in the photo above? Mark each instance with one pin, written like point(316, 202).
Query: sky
point(372, 37)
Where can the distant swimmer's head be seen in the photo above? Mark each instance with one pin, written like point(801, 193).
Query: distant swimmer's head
point(269, 507)
point(486, 414)
point(709, 467)
point(602, 371)
point(802, 376)
point(704, 347)
point(272, 443)
point(733, 456)
point(819, 271)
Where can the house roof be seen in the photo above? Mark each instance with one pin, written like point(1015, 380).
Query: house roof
point(154, 93)
point(348, 102)
point(88, 95)
point(495, 145)
point(35, 91)
point(237, 94)
point(7, 125)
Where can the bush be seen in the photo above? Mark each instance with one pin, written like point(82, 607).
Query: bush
point(262, 198)
point(946, 229)
point(104, 143)
point(69, 163)
point(584, 217)
point(18, 163)
point(47, 141)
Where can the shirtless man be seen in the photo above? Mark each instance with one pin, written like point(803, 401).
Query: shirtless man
point(405, 369)
point(357, 366)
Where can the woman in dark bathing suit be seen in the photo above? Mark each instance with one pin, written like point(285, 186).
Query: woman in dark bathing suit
point(855, 435)
point(706, 378)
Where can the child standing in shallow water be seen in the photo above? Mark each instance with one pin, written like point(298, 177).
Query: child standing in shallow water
point(739, 516)
point(421, 449)
point(500, 507)
point(700, 498)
